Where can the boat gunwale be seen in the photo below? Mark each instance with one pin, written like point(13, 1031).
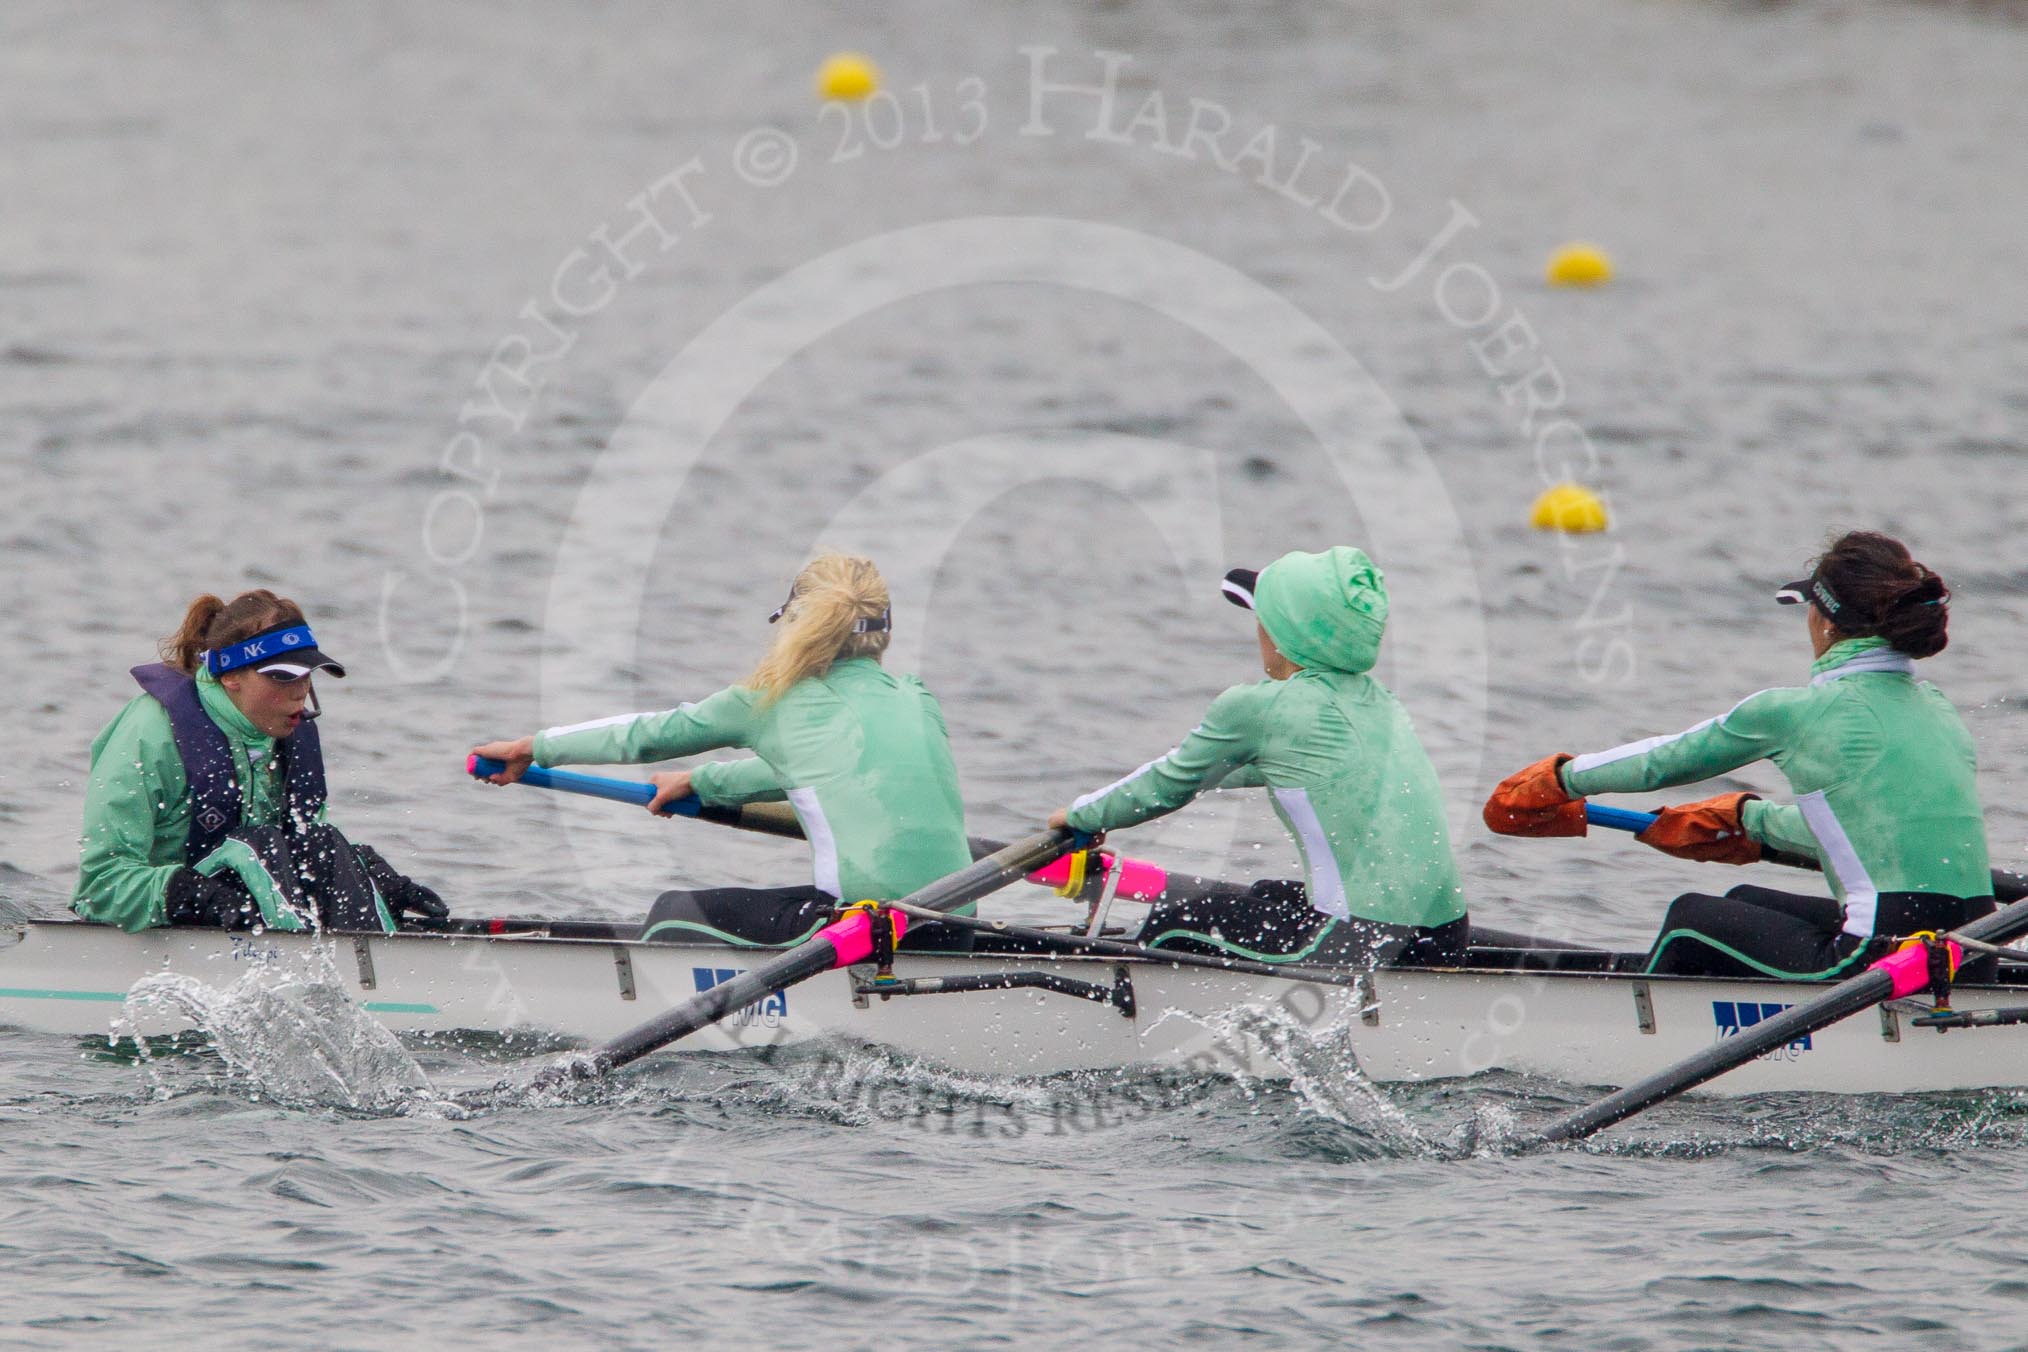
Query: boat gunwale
point(541, 938)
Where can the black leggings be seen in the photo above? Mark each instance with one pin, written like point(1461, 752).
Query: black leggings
point(771, 917)
point(1273, 921)
point(1757, 931)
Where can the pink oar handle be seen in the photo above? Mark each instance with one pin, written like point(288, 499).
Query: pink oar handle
point(852, 937)
point(1139, 879)
point(1909, 966)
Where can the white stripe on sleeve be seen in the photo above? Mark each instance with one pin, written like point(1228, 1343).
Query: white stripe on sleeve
point(1592, 760)
point(614, 721)
point(1121, 782)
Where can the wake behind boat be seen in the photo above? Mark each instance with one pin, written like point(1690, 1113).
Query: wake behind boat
point(1558, 1013)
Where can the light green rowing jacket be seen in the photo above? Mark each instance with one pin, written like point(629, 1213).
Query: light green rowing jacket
point(137, 809)
point(861, 755)
point(1336, 751)
point(1883, 767)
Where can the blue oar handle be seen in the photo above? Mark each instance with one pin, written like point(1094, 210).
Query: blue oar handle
point(1621, 819)
point(1618, 818)
point(2006, 886)
point(591, 786)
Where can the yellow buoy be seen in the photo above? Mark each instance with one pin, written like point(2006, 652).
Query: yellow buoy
point(847, 75)
point(1579, 265)
point(1571, 508)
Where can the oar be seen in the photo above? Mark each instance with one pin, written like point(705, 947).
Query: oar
point(1900, 973)
point(2006, 886)
point(1616, 818)
point(839, 944)
point(772, 819)
point(1139, 879)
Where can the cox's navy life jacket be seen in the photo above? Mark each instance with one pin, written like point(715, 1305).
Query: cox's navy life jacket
point(215, 805)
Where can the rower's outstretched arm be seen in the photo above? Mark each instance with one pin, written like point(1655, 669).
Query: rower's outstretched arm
point(725, 719)
point(1218, 750)
point(1751, 730)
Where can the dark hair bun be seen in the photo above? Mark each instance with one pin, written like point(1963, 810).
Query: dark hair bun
point(1916, 618)
point(1907, 604)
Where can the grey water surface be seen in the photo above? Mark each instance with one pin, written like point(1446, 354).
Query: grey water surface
point(532, 347)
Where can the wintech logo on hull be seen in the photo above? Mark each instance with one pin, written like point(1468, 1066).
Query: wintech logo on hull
point(767, 1013)
point(1733, 1015)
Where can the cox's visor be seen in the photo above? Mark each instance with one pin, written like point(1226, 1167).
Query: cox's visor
point(298, 665)
point(287, 652)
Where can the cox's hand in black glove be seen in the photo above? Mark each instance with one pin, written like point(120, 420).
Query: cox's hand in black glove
point(220, 900)
point(412, 898)
point(403, 895)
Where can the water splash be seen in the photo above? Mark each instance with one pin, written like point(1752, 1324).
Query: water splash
point(1322, 1071)
point(287, 1032)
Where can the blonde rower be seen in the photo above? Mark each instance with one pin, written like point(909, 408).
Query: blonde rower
point(859, 752)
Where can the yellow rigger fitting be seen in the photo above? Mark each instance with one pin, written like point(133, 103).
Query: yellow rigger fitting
point(883, 944)
point(1073, 882)
point(872, 909)
point(1929, 938)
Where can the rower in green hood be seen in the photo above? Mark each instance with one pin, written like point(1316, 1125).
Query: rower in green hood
point(1325, 611)
point(1344, 772)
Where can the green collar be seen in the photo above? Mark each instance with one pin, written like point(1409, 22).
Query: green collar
point(1838, 654)
point(226, 714)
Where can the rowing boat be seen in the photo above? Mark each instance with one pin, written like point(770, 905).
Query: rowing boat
point(1559, 1013)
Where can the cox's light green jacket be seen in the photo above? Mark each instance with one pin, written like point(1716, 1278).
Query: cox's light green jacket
point(137, 806)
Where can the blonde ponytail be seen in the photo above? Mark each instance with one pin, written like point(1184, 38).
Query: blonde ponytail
point(832, 594)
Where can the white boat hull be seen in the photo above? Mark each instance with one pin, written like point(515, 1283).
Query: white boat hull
point(1406, 1025)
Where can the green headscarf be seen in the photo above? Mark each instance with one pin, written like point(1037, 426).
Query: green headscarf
point(1325, 610)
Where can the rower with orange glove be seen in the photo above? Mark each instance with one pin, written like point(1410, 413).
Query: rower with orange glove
point(1882, 765)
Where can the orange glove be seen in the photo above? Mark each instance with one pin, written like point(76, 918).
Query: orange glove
point(1710, 832)
point(1535, 803)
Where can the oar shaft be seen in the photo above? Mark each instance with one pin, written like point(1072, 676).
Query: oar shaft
point(1896, 974)
point(769, 819)
point(798, 964)
point(838, 944)
point(1139, 879)
point(1791, 1025)
point(1085, 945)
point(2006, 886)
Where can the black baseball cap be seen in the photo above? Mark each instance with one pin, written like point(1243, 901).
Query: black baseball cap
point(1239, 586)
